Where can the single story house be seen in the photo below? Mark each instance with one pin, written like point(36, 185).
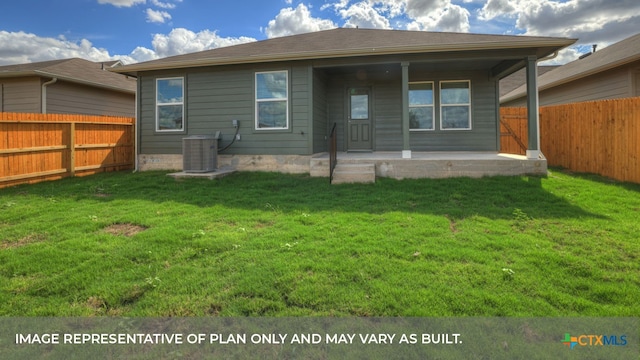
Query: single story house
point(610, 73)
point(396, 98)
point(68, 86)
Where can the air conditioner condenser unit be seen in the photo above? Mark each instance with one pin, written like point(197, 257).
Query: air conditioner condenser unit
point(199, 153)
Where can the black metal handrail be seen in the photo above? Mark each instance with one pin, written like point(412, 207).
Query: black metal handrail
point(333, 151)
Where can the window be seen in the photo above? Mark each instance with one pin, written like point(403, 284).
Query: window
point(170, 104)
point(272, 100)
point(359, 104)
point(455, 105)
point(421, 106)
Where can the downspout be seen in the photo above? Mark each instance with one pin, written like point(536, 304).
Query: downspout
point(136, 141)
point(137, 127)
point(43, 107)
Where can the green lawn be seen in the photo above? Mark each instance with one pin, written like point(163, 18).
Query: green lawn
point(264, 244)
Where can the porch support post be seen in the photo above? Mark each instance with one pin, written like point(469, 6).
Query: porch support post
point(533, 112)
point(406, 148)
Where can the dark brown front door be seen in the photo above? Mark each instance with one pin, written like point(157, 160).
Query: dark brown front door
point(359, 119)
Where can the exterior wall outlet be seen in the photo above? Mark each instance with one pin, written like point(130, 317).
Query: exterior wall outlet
point(235, 123)
point(238, 137)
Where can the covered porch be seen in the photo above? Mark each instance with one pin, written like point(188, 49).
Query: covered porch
point(444, 103)
point(366, 166)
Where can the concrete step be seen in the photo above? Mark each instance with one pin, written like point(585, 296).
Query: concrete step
point(354, 173)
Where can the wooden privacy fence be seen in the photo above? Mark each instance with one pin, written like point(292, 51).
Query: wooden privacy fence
point(37, 147)
point(601, 137)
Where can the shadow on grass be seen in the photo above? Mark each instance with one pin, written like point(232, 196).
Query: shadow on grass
point(491, 197)
point(598, 178)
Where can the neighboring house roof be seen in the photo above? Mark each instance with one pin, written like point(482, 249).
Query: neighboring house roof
point(349, 42)
point(519, 78)
point(112, 63)
point(74, 70)
point(618, 54)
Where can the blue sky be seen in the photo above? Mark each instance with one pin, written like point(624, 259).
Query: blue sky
point(140, 30)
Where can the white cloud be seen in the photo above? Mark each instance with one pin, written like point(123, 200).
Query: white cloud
point(337, 6)
point(153, 15)
point(21, 47)
point(496, 8)
point(586, 19)
point(157, 16)
point(296, 21)
point(393, 8)
point(122, 3)
point(601, 22)
point(439, 15)
point(182, 41)
point(364, 15)
point(163, 5)
point(139, 54)
point(432, 15)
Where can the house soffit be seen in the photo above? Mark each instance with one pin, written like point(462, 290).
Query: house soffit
point(421, 63)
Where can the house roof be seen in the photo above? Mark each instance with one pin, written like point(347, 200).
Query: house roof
point(519, 78)
point(73, 70)
point(618, 54)
point(348, 42)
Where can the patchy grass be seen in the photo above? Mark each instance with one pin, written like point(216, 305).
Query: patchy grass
point(124, 229)
point(255, 244)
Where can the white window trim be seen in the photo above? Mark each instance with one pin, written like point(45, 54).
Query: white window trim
point(184, 121)
point(258, 101)
point(461, 104)
point(433, 106)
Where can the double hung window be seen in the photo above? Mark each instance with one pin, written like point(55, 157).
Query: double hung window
point(421, 110)
point(272, 100)
point(170, 104)
point(455, 105)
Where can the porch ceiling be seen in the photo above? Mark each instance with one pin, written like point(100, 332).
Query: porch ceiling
point(499, 62)
point(394, 70)
point(394, 67)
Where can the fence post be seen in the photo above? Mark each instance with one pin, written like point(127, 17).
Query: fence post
point(72, 148)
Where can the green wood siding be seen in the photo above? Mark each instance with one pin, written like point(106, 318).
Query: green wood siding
point(484, 117)
point(216, 96)
point(336, 96)
point(321, 127)
point(388, 113)
point(387, 109)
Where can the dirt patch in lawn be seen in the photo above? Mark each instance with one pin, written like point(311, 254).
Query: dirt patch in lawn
point(29, 239)
point(125, 229)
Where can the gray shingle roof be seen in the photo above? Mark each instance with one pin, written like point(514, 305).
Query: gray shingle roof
point(346, 42)
point(73, 70)
point(612, 56)
point(519, 78)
